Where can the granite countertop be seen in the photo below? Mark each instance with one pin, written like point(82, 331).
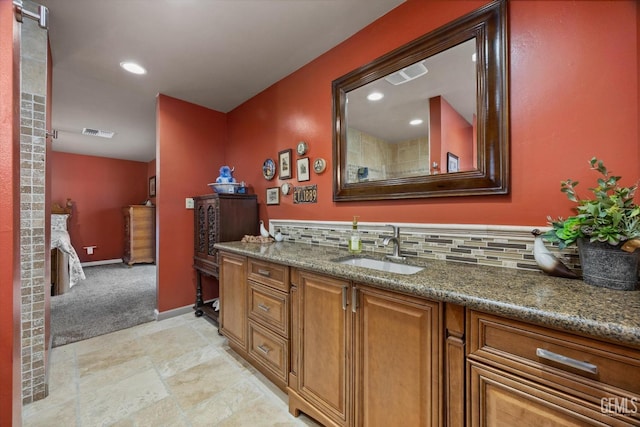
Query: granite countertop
point(530, 296)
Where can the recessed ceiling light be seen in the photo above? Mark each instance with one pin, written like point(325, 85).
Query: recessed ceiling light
point(415, 122)
point(375, 96)
point(473, 57)
point(132, 67)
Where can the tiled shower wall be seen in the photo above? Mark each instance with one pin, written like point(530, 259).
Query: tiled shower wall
point(386, 160)
point(498, 246)
point(33, 71)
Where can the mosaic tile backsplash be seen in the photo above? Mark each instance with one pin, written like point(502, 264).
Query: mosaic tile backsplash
point(501, 246)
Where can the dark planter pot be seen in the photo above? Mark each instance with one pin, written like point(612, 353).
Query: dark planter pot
point(608, 266)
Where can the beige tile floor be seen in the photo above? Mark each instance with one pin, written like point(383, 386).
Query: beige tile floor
point(176, 372)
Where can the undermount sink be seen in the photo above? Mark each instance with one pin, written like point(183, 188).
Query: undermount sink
point(380, 265)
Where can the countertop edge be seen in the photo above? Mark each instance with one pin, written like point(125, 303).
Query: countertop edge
point(611, 331)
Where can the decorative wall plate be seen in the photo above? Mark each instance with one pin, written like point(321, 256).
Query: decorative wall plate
point(286, 188)
point(319, 165)
point(302, 148)
point(269, 169)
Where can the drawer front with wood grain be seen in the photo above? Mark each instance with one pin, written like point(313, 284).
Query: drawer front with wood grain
point(500, 399)
point(269, 274)
point(139, 234)
point(581, 365)
point(143, 213)
point(269, 307)
point(269, 350)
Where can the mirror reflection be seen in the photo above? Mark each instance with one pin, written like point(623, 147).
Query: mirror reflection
point(419, 120)
point(461, 147)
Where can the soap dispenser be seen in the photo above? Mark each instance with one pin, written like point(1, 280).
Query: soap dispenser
point(355, 244)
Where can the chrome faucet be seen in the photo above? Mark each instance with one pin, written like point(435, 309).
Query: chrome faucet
point(395, 239)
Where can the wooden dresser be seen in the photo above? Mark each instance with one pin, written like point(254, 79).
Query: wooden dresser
point(139, 234)
point(219, 218)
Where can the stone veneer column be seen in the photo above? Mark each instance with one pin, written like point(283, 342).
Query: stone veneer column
point(33, 70)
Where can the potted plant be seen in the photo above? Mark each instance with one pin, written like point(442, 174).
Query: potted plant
point(606, 229)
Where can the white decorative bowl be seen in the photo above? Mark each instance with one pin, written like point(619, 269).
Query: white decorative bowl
point(225, 188)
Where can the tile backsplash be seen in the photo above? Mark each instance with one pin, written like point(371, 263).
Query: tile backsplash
point(493, 245)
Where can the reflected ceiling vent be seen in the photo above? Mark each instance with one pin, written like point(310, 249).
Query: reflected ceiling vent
point(407, 74)
point(96, 132)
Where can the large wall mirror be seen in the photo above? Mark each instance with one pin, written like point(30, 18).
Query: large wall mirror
point(429, 119)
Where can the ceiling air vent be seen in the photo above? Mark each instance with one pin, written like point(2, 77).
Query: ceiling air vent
point(407, 74)
point(96, 132)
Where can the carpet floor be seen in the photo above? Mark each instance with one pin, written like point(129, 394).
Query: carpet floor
point(111, 298)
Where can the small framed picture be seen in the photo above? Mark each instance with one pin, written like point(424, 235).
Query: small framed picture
point(284, 161)
point(452, 163)
point(152, 186)
point(273, 196)
point(303, 169)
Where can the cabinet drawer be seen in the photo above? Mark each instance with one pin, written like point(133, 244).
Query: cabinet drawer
point(580, 365)
point(274, 275)
point(269, 350)
point(501, 399)
point(142, 227)
point(143, 214)
point(269, 307)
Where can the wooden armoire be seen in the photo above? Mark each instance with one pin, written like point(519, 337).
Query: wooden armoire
point(219, 218)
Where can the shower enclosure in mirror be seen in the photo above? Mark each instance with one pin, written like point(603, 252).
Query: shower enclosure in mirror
point(398, 118)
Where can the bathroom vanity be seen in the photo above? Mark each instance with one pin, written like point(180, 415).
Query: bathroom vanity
point(453, 344)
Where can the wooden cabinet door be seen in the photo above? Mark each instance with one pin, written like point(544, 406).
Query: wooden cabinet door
point(233, 299)
point(206, 229)
point(502, 399)
point(397, 360)
point(325, 335)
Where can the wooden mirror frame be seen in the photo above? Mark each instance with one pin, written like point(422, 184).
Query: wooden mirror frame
point(489, 27)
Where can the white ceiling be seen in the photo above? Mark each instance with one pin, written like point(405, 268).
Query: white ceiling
point(215, 53)
point(451, 74)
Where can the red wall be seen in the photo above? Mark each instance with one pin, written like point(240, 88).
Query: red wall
point(638, 80)
point(457, 137)
point(10, 383)
point(573, 95)
point(151, 171)
point(99, 187)
point(449, 132)
point(190, 149)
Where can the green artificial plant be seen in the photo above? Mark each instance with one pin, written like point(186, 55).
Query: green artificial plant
point(609, 216)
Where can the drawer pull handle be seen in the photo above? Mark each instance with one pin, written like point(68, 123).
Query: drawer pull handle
point(567, 361)
point(263, 348)
point(264, 307)
point(354, 299)
point(264, 272)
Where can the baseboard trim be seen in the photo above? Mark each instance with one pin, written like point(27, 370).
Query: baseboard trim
point(103, 262)
point(173, 312)
point(177, 311)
